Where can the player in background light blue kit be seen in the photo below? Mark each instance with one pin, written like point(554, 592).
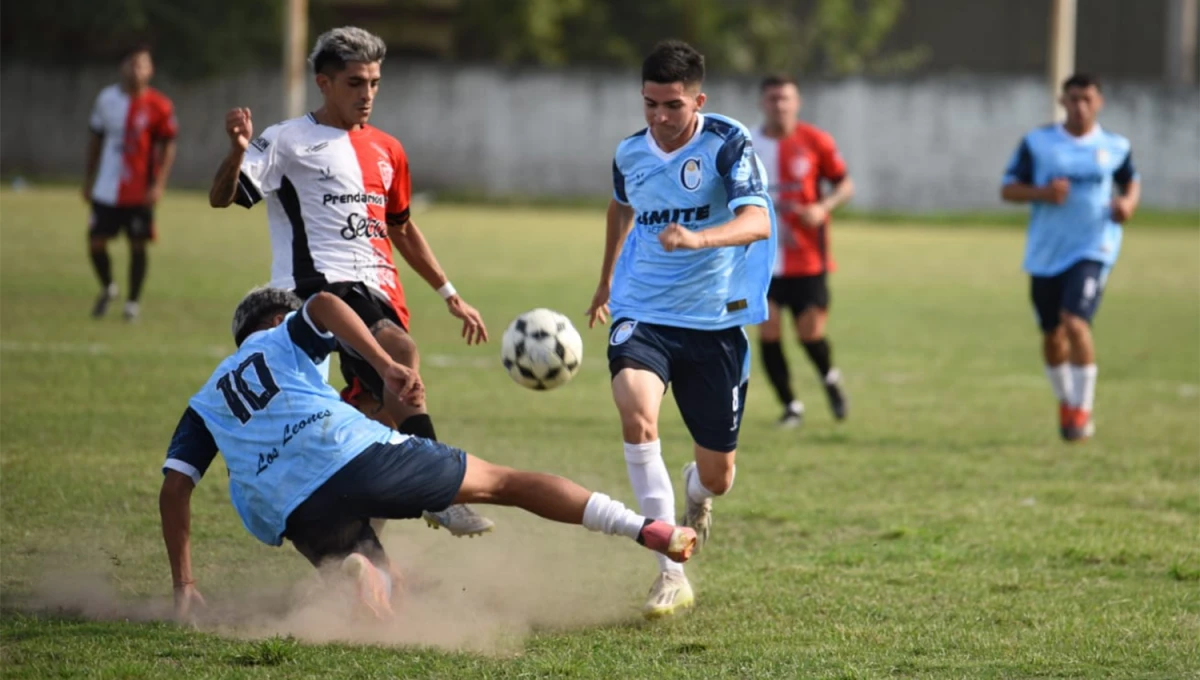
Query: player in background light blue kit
point(306, 466)
point(1082, 183)
point(687, 262)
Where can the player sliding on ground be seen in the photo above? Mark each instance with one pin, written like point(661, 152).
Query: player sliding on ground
point(306, 466)
point(1082, 184)
point(694, 229)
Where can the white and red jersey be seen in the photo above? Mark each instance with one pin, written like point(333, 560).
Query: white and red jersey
point(129, 126)
point(330, 195)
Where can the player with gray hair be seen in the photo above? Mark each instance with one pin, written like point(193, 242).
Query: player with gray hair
point(337, 193)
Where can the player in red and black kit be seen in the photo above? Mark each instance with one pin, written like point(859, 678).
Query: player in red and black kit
point(130, 153)
point(799, 158)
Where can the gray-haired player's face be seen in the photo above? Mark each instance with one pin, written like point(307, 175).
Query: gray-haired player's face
point(670, 109)
point(780, 104)
point(350, 93)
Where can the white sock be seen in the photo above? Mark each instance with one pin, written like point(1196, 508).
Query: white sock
point(1060, 381)
point(387, 581)
point(652, 485)
point(1084, 378)
point(697, 491)
point(607, 516)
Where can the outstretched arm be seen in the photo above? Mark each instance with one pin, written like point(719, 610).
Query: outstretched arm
point(239, 127)
point(329, 314)
point(175, 511)
point(415, 250)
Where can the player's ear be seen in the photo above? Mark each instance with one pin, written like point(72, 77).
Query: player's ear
point(278, 319)
point(700, 99)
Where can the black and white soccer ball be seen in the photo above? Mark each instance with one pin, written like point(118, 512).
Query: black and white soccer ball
point(541, 350)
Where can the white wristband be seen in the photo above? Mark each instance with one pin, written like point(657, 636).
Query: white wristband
point(447, 291)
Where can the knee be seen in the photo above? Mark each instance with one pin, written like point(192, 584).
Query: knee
point(638, 427)
point(137, 247)
point(97, 245)
point(1075, 328)
point(399, 345)
point(717, 480)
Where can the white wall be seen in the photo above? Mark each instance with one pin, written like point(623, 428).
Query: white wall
point(934, 144)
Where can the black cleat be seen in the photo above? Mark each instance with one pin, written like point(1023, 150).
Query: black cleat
point(838, 401)
point(107, 295)
point(793, 415)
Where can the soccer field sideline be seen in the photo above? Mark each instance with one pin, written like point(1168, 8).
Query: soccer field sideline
point(943, 531)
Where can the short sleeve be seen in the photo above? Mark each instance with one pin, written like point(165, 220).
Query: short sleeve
point(1126, 172)
point(168, 126)
point(832, 165)
point(304, 333)
point(96, 119)
point(741, 173)
point(619, 194)
point(399, 194)
point(261, 168)
point(192, 447)
point(1020, 166)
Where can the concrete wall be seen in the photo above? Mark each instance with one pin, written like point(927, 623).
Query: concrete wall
point(934, 144)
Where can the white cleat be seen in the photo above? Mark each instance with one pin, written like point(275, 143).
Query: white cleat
point(459, 520)
point(132, 310)
point(670, 595)
point(698, 516)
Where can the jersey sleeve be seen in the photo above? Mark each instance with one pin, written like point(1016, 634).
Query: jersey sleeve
point(192, 447)
point(261, 168)
point(832, 165)
point(95, 119)
point(1020, 166)
point(168, 126)
point(399, 195)
point(1126, 173)
point(619, 194)
point(304, 334)
point(740, 171)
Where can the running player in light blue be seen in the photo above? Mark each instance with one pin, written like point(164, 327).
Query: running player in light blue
point(1082, 184)
point(687, 263)
point(306, 466)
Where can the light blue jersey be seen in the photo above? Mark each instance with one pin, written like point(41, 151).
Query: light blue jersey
point(698, 187)
point(282, 429)
point(1082, 227)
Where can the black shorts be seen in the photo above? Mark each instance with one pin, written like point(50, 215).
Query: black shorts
point(709, 369)
point(386, 481)
point(1076, 291)
point(107, 221)
point(372, 309)
point(798, 293)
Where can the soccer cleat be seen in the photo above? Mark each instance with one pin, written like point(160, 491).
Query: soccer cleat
point(1064, 419)
point(696, 516)
point(459, 520)
point(677, 543)
point(369, 584)
point(793, 415)
point(838, 401)
point(670, 594)
point(107, 295)
point(1081, 427)
point(131, 310)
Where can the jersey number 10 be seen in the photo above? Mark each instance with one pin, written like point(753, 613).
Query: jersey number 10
point(256, 401)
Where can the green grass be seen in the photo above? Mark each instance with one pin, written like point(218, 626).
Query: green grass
point(943, 532)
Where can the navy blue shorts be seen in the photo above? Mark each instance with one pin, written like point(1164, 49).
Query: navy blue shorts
point(387, 481)
point(1076, 291)
point(709, 370)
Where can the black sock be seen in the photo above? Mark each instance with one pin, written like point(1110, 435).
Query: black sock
point(777, 371)
point(821, 355)
point(420, 425)
point(137, 273)
point(103, 266)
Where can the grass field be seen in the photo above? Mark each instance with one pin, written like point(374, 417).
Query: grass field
point(942, 532)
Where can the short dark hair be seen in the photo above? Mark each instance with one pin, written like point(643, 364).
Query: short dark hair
point(777, 80)
point(673, 61)
point(1084, 80)
point(132, 49)
point(257, 308)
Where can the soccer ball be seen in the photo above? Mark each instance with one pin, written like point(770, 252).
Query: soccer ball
point(541, 350)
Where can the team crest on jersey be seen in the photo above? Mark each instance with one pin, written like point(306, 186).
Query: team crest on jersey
point(622, 332)
point(386, 173)
point(1102, 157)
point(800, 166)
point(690, 175)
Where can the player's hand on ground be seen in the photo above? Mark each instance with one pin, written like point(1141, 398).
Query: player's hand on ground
point(473, 329)
point(598, 311)
point(239, 127)
point(403, 382)
point(1122, 209)
point(188, 601)
point(813, 215)
point(675, 237)
point(1057, 190)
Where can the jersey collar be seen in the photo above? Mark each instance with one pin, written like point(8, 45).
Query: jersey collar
point(1086, 139)
point(663, 155)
